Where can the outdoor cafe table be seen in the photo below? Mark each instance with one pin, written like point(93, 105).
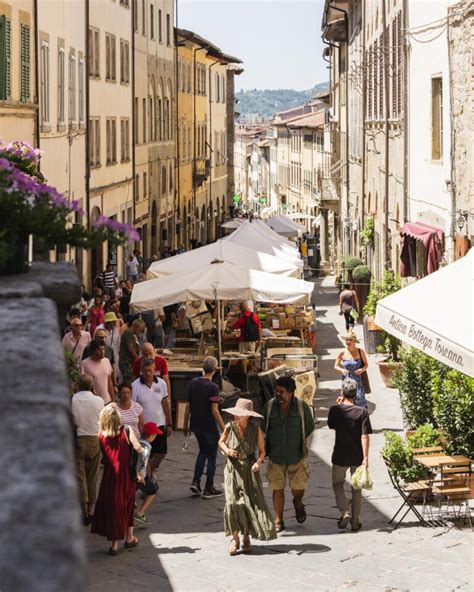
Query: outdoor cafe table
point(439, 460)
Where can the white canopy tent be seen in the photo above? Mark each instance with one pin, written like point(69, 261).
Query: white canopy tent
point(315, 220)
point(223, 250)
point(252, 237)
point(285, 226)
point(220, 280)
point(234, 223)
point(435, 314)
point(267, 231)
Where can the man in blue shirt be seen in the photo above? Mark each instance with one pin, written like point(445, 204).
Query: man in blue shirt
point(203, 418)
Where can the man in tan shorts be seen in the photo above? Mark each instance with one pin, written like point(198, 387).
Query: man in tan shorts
point(288, 423)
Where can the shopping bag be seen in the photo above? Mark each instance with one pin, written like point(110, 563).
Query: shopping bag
point(361, 478)
point(354, 314)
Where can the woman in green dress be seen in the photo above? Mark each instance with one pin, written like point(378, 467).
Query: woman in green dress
point(246, 510)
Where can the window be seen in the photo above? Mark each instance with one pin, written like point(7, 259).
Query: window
point(152, 21)
point(144, 120)
point(143, 17)
point(189, 78)
point(81, 88)
point(160, 26)
point(111, 140)
point(135, 16)
point(223, 88)
point(150, 119)
point(110, 58)
point(168, 29)
point(44, 78)
point(124, 61)
point(436, 118)
point(164, 180)
point(5, 57)
point(61, 60)
point(125, 3)
point(94, 141)
point(189, 142)
point(218, 88)
point(94, 52)
point(25, 63)
point(125, 140)
point(145, 186)
point(137, 188)
point(159, 113)
point(72, 89)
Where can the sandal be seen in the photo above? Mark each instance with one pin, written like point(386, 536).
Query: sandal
point(113, 551)
point(234, 547)
point(279, 526)
point(300, 512)
point(130, 545)
point(246, 545)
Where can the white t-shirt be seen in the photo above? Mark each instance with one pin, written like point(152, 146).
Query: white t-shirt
point(76, 348)
point(132, 266)
point(150, 398)
point(86, 408)
point(100, 372)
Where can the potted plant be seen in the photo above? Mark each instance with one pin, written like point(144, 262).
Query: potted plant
point(28, 206)
point(390, 364)
point(350, 263)
point(361, 276)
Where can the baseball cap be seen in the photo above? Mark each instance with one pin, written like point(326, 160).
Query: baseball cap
point(150, 428)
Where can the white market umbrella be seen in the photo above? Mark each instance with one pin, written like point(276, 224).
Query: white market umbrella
point(267, 231)
point(220, 280)
point(252, 237)
point(435, 314)
point(285, 226)
point(224, 251)
point(234, 223)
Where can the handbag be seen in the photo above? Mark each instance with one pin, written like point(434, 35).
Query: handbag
point(365, 380)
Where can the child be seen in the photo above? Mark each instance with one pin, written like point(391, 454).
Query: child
point(146, 484)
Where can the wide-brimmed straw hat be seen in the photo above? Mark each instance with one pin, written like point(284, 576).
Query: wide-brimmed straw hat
point(352, 336)
point(243, 408)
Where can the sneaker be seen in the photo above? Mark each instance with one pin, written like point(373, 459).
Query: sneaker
point(141, 518)
point(356, 526)
point(343, 521)
point(208, 493)
point(196, 488)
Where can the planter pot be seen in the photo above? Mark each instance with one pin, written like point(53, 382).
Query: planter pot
point(372, 339)
point(371, 326)
point(387, 371)
point(16, 260)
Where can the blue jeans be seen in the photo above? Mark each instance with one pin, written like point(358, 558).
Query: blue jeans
point(207, 452)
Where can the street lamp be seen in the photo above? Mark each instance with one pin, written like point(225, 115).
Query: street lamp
point(461, 219)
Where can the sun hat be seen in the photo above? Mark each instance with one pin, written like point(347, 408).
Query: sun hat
point(150, 428)
point(243, 408)
point(110, 317)
point(352, 336)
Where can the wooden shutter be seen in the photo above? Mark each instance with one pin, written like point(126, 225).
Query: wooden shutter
point(25, 63)
point(5, 51)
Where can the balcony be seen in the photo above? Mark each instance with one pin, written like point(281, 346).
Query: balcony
point(335, 22)
point(202, 170)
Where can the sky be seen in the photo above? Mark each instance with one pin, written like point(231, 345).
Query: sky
point(279, 41)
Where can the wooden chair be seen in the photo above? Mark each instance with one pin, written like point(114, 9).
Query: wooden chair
point(428, 451)
point(453, 488)
point(409, 492)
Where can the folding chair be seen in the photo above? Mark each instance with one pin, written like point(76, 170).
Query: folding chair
point(407, 492)
point(453, 487)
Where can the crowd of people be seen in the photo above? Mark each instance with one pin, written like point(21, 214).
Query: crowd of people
point(123, 418)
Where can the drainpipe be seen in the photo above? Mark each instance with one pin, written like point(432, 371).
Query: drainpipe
point(194, 127)
point(177, 174)
point(37, 111)
point(133, 113)
point(452, 176)
point(87, 114)
point(406, 114)
point(364, 107)
point(385, 250)
point(210, 132)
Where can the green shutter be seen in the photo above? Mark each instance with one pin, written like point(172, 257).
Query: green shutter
point(5, 31)
point(25, 63)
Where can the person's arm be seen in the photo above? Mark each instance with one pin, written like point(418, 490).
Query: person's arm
point(337, 364)
point(261, 452)
point(230, 452)
point(340, 302)
point(365, 449)
point(167, 410)
point(133, 440)
point(187, 419)
point(131, 348)
point(111, 387)
point(308, 420)
point(141, 422)
point(332, 419)
point(135, 369)
point(217, 416)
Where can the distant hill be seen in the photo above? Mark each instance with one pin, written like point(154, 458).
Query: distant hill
point(265, 103)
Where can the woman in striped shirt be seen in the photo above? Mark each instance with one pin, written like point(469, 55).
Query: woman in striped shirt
point(131, 413)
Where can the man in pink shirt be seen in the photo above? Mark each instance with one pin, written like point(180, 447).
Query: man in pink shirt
point(99, 367)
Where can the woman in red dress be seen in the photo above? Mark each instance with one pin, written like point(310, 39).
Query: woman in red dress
point(96, 314)
point(113, 515)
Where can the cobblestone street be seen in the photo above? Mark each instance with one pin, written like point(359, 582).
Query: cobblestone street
point(184, 548)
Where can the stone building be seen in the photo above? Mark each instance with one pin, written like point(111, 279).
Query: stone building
point(109, 109)
point(18, 82)
point(154, 125)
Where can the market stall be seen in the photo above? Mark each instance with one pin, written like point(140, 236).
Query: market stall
point(285, 226)
point(435, 314)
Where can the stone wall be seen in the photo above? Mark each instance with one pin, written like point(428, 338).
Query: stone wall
point(40, 534)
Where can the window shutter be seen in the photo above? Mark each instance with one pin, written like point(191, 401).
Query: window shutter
point(5, 40)
point(25, 63)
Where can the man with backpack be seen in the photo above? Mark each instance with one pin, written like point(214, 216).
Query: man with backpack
point(250, 330)
point(288, 422)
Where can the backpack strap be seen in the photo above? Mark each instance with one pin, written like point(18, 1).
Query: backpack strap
point(269, 412)
point(301, 410)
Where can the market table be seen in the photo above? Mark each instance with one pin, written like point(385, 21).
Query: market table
point(440, 460)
